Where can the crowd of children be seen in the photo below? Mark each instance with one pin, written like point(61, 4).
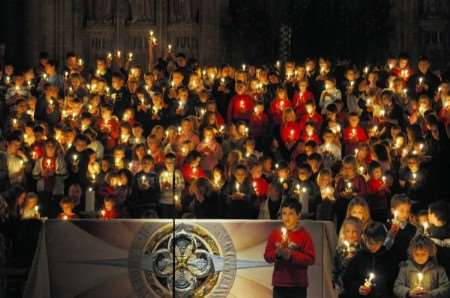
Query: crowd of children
point(366, 149)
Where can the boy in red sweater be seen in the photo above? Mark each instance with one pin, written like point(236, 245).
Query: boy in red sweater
point(292, 250)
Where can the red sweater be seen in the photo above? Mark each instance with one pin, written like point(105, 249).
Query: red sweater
point(277, 107)
point(299, 100)
point(291, 273)
point(240, 107)
point(290, 132)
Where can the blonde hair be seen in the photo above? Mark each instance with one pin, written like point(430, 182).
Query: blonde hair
point(356, 222)
point(360, 202)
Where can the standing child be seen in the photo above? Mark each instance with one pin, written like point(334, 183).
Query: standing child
point(402, 231)
point(439, 231)
point(371, 273)
point(349, 243)
point(421, 275)
point(292, 250)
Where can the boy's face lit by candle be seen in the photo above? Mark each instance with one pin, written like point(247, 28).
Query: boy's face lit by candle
point(290, 218)
point(402, 212)
point(421, 255)
point(240, 175)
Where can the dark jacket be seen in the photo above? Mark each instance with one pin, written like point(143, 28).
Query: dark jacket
point(381, 263)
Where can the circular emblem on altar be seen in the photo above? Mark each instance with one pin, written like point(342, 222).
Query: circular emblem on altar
point(204, 258)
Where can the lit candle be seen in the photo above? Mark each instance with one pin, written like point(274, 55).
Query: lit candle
point(278, 64)
point(414, 178)
point(353, 132)
point(425, 228)
point(237, 187)
point(347, 246)
point(169, 48)
point(383, 179)
point(420, 80)
point(348, 186)
point(48, 162)
point(284, 234)
point(80, 62)
point(419, 280)
point(395, 216)
point(356, 151)
point(361, 170)
point(103, 213)
point(369, 281)
point(130, 56)
point(119, 53)
point(109, 56)
point(244, 67)
point(292, 133)
point(65, 217)
point(366, 70)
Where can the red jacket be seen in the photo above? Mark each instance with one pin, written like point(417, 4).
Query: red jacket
point(378, 195)
point(240, 107)
point(277, 107)
point(113, 135)
point(291, 273)
point(298, 101)
point(260, 186)
point(290, 132)
point(190, 173)
point(105, 214)
point(315, 118)
point(314, 137)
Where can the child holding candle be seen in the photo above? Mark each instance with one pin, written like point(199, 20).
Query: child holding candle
point(239, 192)
point(306, 191)
point(110, 209)
point(348, 186)
point(279, 104)
point(145, 190)
point(31, 208)
point(372, 271)
point(67, 206)
point(378, 192)
point(401, 231)
point(439, 231)
point(241, 105)
point(330, 94)
point(421, 276)
point(325, 209)
point(170, 194)
point(289, 129)
point(292, 250)
point(301, 97)
point(311, 116)
point(353, 134)
point(349, 244)
point(330, 149)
